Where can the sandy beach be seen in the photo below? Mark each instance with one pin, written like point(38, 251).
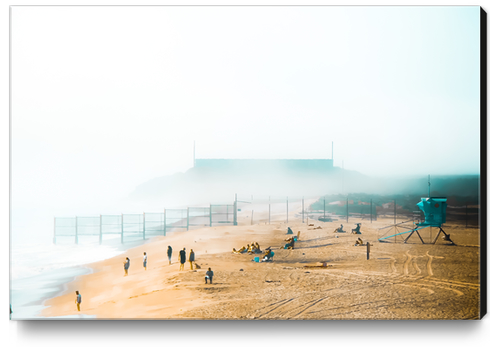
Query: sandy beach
point(324, 277)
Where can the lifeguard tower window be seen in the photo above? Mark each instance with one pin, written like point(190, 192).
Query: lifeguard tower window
point(434, 211)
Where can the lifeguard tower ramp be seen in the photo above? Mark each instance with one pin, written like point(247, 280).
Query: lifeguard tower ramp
point(434, 209)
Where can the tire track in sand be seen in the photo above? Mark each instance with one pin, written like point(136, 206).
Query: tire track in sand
point(279, 304)
point(407, 263)
point(392, 265)
point(429, 263)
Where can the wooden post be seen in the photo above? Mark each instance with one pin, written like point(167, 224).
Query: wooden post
point(144, 227)
point(122, 228)
point(368, 248)
point(54, 232)
point(210, 215)
point(252, 220)
point(76, 230)
point(100, 230)
point(164, 222)
point(466, 215)
point(187, 218)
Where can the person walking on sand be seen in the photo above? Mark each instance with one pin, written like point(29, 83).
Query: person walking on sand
point(209, 276)
point(126, 266)
point(191, 258)
point(169, 254)
point(182, 259)
point(78, 300)
point(145, 258)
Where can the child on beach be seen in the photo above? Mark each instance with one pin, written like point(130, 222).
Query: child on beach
point(169, 254)
point(78, 300)
point(191, 258)
point(126, 266)
point(144, 260)
point(209, 276)
point(182, 259)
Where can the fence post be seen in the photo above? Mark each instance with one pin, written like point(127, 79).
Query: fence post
point(100, 230)
point(144, 228)
point(210, 215)
point(235, 211)
point(368, 248)
point(394, 211)
point(76, 230)
point(287, 209)
point(122, 228)
point(252, 220)
point(164, 222)
point(466, 215)
point(371, 210)
point(303, 210)
point(187, 218)
point(269, 209)
point(54, 232)
point(347, 211)
point(324, 208)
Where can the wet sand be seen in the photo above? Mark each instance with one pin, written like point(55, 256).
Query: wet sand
point(399, 281)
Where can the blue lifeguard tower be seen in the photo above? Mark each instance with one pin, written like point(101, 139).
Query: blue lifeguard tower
point(434, 209)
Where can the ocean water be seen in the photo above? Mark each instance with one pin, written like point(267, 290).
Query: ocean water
point(40, 271)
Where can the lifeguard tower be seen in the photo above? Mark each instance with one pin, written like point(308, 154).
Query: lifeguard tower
point(434, 209)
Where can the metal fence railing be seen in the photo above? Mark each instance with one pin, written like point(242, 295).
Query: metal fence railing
point(267, 209)
point(140, 226)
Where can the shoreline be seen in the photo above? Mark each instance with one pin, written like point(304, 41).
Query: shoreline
point(53, 282)
point(261, 215)
point(46, 285)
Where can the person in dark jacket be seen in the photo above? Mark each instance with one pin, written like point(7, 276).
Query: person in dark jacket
point(182, 259)
point(209, 276)
point(126, 266)
point(169, 254)
point(191, 258)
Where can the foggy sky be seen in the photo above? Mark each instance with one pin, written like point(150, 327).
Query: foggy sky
point(106, 98)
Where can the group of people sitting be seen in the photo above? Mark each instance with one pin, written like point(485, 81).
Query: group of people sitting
point(254, 248)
